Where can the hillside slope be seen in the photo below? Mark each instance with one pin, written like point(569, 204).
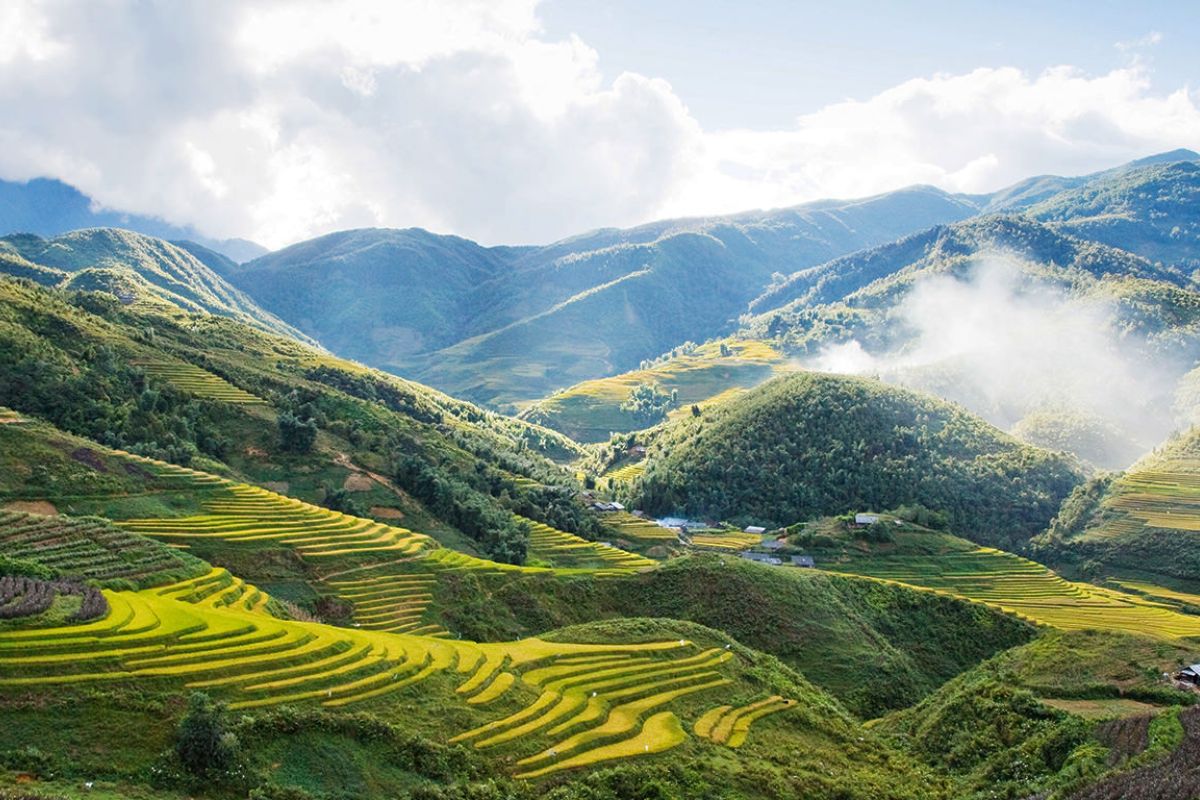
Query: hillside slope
point(812, 444)
point(209, 392)
point(138, 268)
point(1140, 525)
point(1013, 318)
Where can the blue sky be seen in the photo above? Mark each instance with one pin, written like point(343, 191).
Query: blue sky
point(523, 121)
point(760, 64)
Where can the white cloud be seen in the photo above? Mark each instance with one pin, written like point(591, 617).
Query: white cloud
point(281, 120)
point(1149, 40)
point(971, 133)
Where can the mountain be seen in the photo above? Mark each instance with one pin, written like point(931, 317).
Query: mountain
point(1153, 211)
point(135, 268)
point(49, 207)
point(810, 444)
point(504, 324)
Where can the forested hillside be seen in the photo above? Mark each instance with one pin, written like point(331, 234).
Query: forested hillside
point(207, 391)
point(812, 444)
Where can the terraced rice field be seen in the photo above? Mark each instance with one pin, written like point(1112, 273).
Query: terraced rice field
point(597, 701)
point(197, 381)
point(1028, 589)
point(89, 548)
point(627, 472)
point(593, 709)
point(730, 726)
point(386, 600)
point(640, 530)
point(1165, 496)
point(725, 541)
point(567, 550)
point(243, 513)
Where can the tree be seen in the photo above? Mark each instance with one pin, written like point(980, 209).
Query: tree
point(648, 402)
point(205, 748)
point(296, 435)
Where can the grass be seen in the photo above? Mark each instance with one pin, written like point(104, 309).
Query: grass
point(640, 531)
point(197, 381)
point(725, 541)
point(211, 632)
point(660, 732)
point(244, 513)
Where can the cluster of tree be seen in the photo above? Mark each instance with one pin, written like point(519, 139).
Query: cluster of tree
point(815, 445)
point(648, 403)
point(499, 533)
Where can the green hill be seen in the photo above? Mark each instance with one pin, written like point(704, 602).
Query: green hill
point(135, 267)
point(812, 444)
point(1151, 211)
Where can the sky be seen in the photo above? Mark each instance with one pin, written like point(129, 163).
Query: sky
point(518, 121)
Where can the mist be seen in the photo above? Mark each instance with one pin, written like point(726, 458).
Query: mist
point(1050, 366)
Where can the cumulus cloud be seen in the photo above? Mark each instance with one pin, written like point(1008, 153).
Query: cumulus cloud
point(277, 121)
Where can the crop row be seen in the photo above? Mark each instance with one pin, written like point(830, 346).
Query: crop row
point(212, 633)
point(197, 381)
point(567, 550)
point(246, 513)
point(730, 726)
point(86, 548)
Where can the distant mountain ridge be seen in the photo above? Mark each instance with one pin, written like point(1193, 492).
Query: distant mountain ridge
point(505, 324)
point(49, 207)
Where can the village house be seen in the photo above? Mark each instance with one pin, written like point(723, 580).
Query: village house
point(608, 506)
point(754, 529)
point(1189, 675)
point(803, 561)
point(866, 519)
point(762, 558)
point(773, 544)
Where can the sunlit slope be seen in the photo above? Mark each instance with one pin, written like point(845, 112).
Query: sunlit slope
point(591, 411)
point(569, 704)
point(1145, 523)
point(1020, 586)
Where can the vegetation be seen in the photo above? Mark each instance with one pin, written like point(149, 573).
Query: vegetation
point(1138, 525)
point(811, 444)
point(546, 317)
point(695, 376)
